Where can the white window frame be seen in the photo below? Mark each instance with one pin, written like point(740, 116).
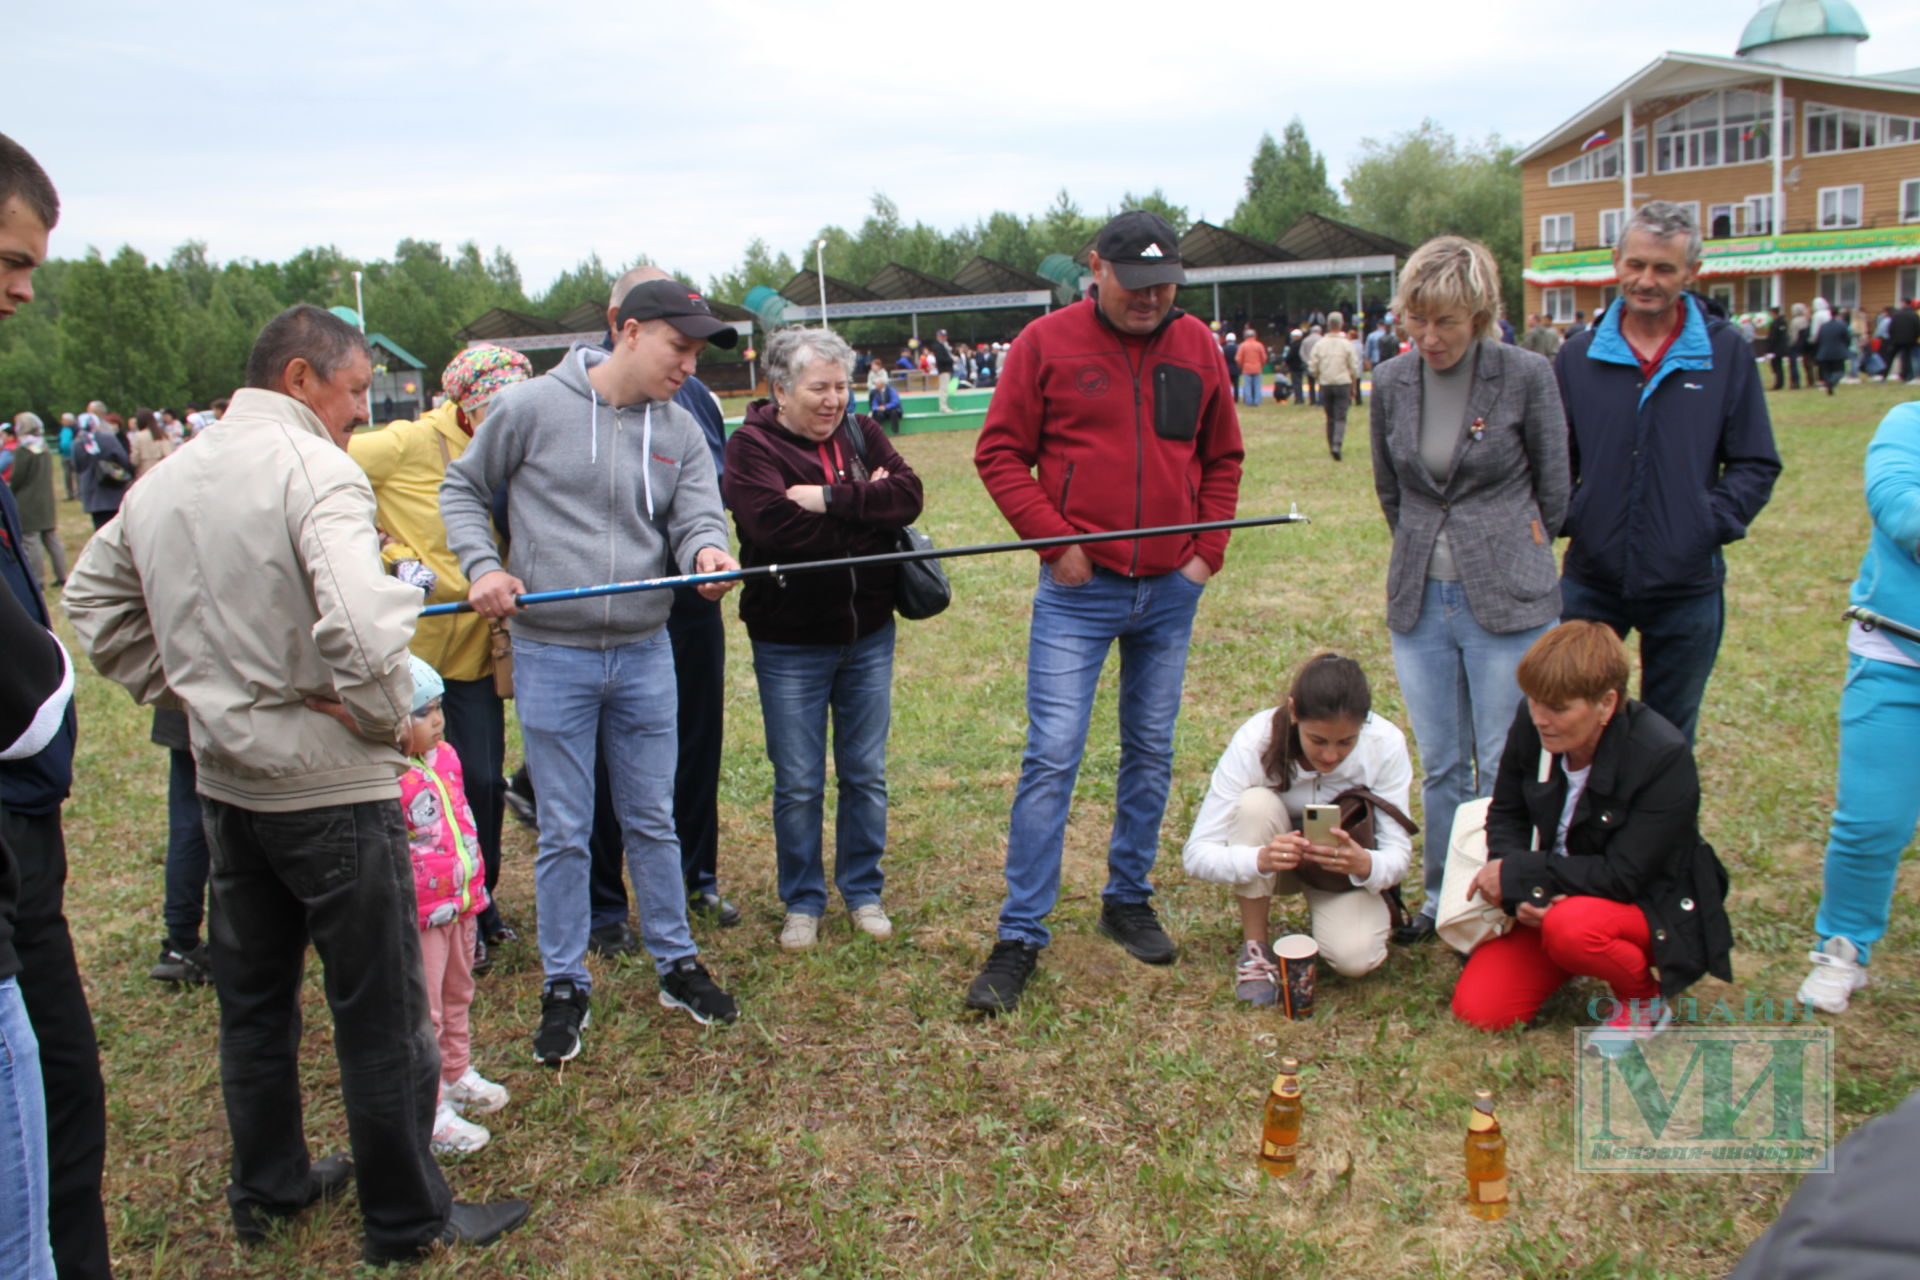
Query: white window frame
point(1836, 218)
point(1906, 284)
point(1759, 293)
point(1910, 200)
point(1557, 304)
point(1839, 288)
point(1602, 164)
point(1734, 220)
point(1610, 234)
point(1560, 239)
point(1708, 144)
point(1608, 293)
point(1758, 213)
point(1723, 294)
point(1827, 128)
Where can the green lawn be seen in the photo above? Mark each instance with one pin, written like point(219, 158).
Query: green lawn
point(855, 1123)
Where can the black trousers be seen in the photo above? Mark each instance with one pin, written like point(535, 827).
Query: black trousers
point(699, 640)
point(340, 876)
point(69, 1053)
point(477, 731)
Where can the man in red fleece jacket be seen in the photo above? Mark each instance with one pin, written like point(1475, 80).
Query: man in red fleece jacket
point(1113, 413)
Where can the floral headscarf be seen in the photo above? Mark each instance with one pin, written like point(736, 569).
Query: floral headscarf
point(476, 374)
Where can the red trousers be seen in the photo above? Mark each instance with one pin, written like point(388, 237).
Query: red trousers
point(1508, 978)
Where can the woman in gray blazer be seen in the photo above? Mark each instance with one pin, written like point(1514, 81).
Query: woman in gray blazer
point(1470, 462)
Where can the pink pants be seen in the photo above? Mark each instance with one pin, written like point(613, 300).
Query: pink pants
point(1508, 978)
point(447, 951)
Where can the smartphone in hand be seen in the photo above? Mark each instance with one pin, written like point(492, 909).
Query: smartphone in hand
point(1318, 823)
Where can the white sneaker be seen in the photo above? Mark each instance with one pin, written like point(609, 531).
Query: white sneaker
point(800, 932)
point(1837, 974)
point(1637, 1020)
point(474, 1094)
point(873, 921)
point(454, 1136)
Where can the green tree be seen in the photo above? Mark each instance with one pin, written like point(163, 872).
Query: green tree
point(586, 281)
point(119, 334)
point(1423, 183)
point(1155, 201)
point(759, 265)
point(1288, 178)
point(218, 337)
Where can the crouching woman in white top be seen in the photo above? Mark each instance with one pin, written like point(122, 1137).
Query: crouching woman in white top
point(1323, 741)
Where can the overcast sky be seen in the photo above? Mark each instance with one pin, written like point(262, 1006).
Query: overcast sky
point(683, 131)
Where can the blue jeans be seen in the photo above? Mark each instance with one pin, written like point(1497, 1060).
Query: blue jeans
point(1250, 394)
point(1072, 629)
point(572, 701)
point(799, 685)
point(1679, 640)
point(1456, 678)
point(187, 858)
point(26, 1250)
point(1877, 807)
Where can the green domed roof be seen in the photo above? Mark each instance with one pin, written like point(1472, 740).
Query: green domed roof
point(1801, 20)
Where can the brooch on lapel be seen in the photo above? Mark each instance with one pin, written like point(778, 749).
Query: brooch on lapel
point(1478, 430)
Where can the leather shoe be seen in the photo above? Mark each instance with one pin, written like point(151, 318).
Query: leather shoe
point(1418, 929)
point(709, 903)
point(326, 1178)
point(613, 940)
point(475, 1224)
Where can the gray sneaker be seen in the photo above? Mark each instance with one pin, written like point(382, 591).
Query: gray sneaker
point(1256, 978)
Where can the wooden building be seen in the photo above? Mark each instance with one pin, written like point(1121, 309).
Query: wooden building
point(1803, 172)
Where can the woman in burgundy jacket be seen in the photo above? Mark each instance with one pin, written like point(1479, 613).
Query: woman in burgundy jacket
point(807, 480)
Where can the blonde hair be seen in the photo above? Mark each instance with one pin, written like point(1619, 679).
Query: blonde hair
point(1448, 272)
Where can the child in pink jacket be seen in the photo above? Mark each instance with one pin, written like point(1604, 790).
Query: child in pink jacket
point(450, 888)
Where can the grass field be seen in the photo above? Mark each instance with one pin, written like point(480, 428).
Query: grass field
point(855, 1123)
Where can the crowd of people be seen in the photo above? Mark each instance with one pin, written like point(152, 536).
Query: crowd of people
point(339, 761)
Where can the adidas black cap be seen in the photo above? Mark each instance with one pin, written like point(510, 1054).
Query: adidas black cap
point(1142, 250)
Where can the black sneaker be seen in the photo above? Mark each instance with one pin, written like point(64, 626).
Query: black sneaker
point(612, 940)
point(714, 906)
point(189, 965)
point(1415, 931)
point(1004, 977)
point(1134, 926)
point(326, 1178)
point(520, 801)
point(687, 986)
point(482, 958)
point(564, 1014)
point(478, 1225)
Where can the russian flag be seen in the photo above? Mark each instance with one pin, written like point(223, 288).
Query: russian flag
point(1598, 138)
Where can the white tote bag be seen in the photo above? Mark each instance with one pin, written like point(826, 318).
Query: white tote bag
point(1462, 924)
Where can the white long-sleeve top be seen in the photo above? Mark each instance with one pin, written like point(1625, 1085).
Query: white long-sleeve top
point(1379, 762)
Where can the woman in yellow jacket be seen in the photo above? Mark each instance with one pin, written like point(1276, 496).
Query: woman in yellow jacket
point(406, 461)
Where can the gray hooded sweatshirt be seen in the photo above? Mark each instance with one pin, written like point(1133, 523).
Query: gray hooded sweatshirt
point(599, 494)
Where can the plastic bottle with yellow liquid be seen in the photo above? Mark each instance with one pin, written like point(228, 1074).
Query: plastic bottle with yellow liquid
point(1486, 1160)
point(1280, 1127)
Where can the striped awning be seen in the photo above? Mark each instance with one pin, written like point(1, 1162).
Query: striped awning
point(1743, 264)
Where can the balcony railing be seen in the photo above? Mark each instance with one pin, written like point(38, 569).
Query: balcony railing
point(1803, 226)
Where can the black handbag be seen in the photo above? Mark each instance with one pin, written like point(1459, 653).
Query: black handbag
point(920, 587)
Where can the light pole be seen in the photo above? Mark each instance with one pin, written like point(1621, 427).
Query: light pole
point(360, 310)
point(820, 274)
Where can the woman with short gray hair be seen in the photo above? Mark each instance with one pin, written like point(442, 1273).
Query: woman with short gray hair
point(1470, 465)
point(808, 480)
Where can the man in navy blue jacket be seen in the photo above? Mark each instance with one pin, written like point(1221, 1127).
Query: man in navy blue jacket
point(1673, 457)
point(31, 793)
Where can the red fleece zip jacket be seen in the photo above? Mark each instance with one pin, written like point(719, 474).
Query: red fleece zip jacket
point(1092, 430)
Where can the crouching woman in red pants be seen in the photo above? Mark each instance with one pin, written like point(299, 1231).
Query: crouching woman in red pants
point(1593, 846)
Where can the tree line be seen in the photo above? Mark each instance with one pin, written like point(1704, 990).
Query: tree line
point(136, 332)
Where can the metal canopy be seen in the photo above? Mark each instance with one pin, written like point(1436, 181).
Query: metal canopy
point(804, 289)
point(990, 275)
point(502, 323)
point(1206, 245)
point(896, 281)
point(1314, 235)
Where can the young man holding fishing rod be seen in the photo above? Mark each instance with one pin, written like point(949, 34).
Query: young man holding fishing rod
point(610, 481)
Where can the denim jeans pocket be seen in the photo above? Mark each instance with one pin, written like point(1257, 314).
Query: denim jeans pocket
point(1048, 580)
point(314, 851)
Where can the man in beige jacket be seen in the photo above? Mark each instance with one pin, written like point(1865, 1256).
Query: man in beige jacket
point(244, 582)
point(1333, 363)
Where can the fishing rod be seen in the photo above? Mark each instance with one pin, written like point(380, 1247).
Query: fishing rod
point(1293, 516)
point(1876, 622)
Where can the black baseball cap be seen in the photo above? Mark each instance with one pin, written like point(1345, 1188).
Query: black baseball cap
point(1142, 250)
point(681, 306)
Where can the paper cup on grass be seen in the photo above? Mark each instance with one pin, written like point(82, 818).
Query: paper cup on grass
point(1297, 954)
